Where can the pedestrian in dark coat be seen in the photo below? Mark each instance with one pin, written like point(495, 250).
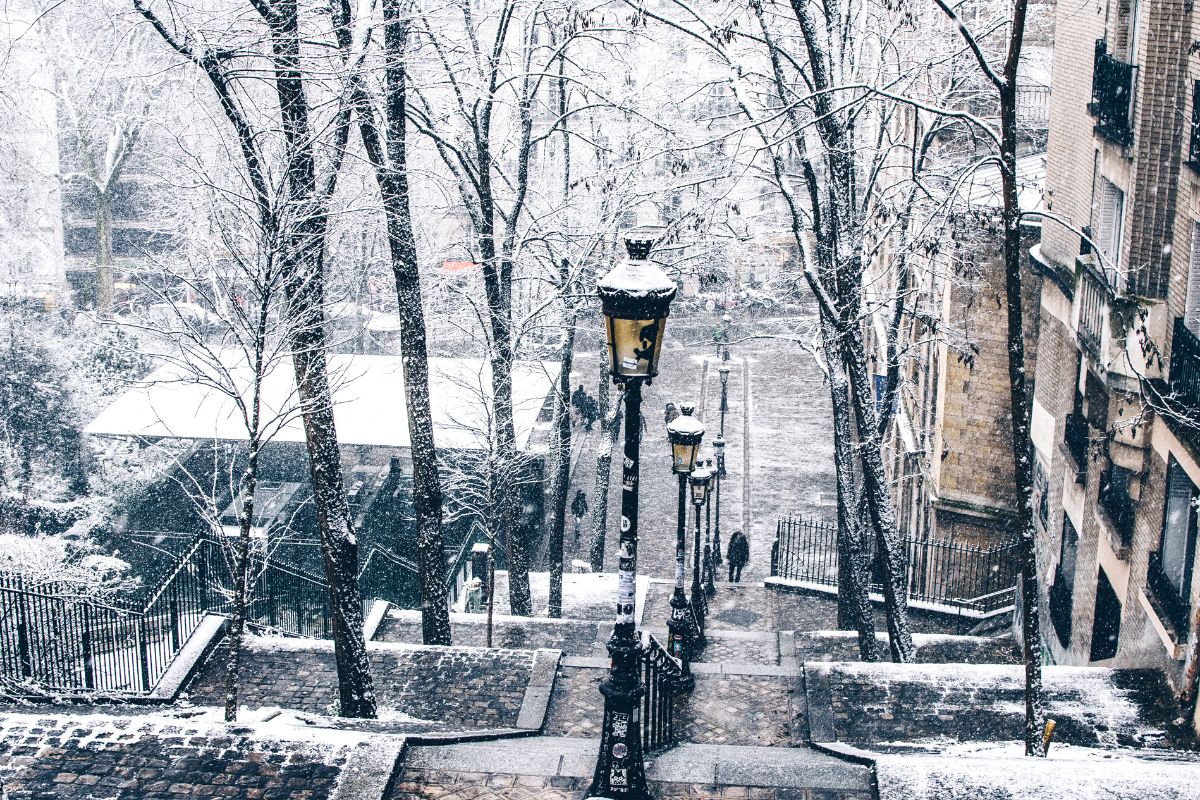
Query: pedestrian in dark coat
point(737, 552)
point(579, 508)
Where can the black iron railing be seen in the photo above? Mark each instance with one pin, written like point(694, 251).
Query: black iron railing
point(1117, 504)
point(661, 674)
point(956, 576)
point(1076, 434)
point(1185, 364)
point(1112, 95)
point(1166, 597)
point(54, 637)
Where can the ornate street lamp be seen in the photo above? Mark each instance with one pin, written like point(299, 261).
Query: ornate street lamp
point(719, 451)
point(700, 481)
point(727, 321)
point(636, 297)
point(685, 433)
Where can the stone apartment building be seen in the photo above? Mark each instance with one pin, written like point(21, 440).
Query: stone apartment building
point(1117, 387)
point(950, 442)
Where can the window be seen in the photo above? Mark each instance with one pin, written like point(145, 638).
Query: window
point(1170, 570)
point(1041, 495)
point(1111, 215)
point(1179, 531)
point(1106, 626)
point(1063, 589)
point(1191, 312)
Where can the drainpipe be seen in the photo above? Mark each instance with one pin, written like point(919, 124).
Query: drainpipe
point(1188, 694)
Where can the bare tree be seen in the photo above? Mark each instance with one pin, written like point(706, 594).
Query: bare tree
point(388, 155)
point(1003, 79)
point(280, 157)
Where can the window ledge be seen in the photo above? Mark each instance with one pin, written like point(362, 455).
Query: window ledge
point(1174, 649)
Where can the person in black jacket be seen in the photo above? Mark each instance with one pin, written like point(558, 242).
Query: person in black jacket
point(579, 508)
point(737, 553)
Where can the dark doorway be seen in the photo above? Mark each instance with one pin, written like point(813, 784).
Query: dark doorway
point(1106, 626)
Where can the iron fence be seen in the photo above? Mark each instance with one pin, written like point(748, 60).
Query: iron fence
point(53, 636)
point(661, 674)
point(957, 576)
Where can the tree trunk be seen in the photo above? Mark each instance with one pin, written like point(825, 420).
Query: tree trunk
point(391, 173)
point(878, 495)
point(303, 268)
point(241, 568)
point(610, 425)
point(562, 471)
point(1022, 442)
point(104, 257)
point(854, 599)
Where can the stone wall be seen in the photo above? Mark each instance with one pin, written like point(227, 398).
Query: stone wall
point(105, 758)
point(460, 688)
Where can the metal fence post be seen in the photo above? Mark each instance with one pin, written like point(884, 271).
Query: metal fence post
point(89, 676)
point(23, 653)
point(143, 652)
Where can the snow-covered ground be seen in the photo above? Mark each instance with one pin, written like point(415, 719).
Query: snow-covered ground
point(1000, 771)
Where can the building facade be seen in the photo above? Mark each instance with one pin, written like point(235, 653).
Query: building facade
point(1116, 386)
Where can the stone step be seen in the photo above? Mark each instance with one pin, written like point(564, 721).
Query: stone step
point(696, 764)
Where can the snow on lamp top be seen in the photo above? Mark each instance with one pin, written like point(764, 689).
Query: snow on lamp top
point(685, 427)
point(685, 433)
point(636, 296)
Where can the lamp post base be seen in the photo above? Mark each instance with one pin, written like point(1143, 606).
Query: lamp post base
point(679, 632)
point(620, 772)
point(699, 612)
point(710, 588)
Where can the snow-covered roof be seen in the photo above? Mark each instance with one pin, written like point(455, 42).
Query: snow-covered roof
point(368, 396)
point(983, 189)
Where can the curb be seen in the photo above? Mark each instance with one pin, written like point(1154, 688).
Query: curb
point(536, 702)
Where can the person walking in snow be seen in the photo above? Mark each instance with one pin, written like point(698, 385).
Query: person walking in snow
point(737, 552)
point(579, 508)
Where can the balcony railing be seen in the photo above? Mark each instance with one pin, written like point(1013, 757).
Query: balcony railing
point(1033, 106)
point(1093, 299)
point(1112, 95)
point(1117, 504)
point(1076, 434)
point(1185, 364)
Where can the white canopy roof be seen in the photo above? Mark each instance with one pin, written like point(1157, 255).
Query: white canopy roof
point(368, 396)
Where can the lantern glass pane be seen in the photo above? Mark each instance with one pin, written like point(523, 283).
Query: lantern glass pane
point(635, 345)
point(685, 457)
point(698, 491)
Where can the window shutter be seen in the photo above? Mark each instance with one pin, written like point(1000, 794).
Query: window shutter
point(1110, 230)
point(1191, 314)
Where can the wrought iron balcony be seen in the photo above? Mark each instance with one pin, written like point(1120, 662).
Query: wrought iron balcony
point(1112, 95)
point(1076, 434)
point(1117, 504)
point(1185, 365)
